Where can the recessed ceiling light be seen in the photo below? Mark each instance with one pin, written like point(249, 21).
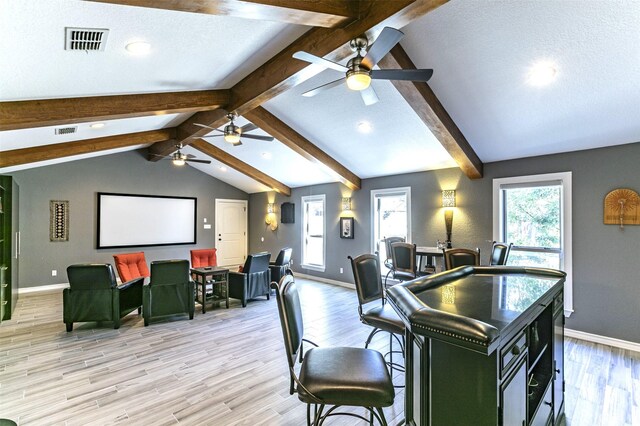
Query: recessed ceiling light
point(97, 125)
point(541, 74)
point(138, 47)
point(364, 127)
point(266, 155)
point(223, 168)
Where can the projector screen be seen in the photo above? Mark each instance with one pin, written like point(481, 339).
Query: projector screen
point(129, 220)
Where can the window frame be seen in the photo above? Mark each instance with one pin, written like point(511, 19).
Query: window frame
point(389, 191)
point(565, 179)
point(304, 201)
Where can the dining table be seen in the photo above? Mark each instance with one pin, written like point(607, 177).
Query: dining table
point(431, 255)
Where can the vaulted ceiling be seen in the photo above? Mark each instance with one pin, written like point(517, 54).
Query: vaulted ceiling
point(210, 57)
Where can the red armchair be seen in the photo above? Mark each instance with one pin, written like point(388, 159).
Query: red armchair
point(203, 257)
point(131, 265)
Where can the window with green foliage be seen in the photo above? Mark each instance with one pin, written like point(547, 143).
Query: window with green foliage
point(534, 214)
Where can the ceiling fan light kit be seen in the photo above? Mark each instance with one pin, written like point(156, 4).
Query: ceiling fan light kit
point(232, 133)
point(358, 80)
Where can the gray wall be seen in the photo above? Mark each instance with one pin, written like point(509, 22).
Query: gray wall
point(79, 182)
point(606, 260)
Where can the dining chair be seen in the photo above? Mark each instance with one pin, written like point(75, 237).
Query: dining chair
point(333, 376)
point(404, 261)
point(381, 316)
point(455, 257)
point(388, 262)
point(499, 253)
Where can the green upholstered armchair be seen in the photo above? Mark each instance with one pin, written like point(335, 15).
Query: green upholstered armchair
point(170, 290)
point(254, 279)
point(93, 295)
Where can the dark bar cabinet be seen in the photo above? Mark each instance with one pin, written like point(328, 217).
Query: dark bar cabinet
point(484, 346)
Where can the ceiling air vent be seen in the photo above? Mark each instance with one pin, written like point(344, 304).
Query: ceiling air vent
point(66, 130)
point(85, 39)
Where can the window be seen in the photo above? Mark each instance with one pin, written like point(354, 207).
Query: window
point(534, 213)
point(390, 217)
point(313, 232)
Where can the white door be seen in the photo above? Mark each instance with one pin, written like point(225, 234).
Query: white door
point(231, 231)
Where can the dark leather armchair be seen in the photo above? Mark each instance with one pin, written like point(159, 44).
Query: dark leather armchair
point(455, 257)
point(170, 290)
point(281, 264)
point(499, 253)
point(254, 279)
point(93, 295)
point(331, 376)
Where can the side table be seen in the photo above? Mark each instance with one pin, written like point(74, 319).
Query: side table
point(219, 282)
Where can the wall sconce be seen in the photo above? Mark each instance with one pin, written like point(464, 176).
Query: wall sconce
point(346, 204)
point(448, 201)
point(271, 218)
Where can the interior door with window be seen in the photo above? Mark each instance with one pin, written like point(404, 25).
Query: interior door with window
point(231, 231)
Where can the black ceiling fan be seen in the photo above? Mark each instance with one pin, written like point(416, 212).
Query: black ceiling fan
point(233, 133)
point(359, 70)
point(179, 158)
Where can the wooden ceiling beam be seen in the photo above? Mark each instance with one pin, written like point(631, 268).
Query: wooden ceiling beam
point(282, 72)
point(319, 13)
point(34, 154)
point(240, 166)
point(53, 112)
point(427, 106)
point(292, 139)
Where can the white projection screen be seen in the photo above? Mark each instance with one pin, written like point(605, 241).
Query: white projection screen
point(129, 220)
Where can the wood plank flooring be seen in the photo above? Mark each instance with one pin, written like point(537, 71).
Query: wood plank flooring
point(228, 367)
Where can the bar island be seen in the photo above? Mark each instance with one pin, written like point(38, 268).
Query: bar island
point(484, 346)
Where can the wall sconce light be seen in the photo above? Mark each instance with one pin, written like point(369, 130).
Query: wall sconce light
point(346, 204)
point(448, 201)
point(271, 218)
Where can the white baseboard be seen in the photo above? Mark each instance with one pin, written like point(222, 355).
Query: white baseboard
point(596, 338)
point(325, 280)
point(42, 288)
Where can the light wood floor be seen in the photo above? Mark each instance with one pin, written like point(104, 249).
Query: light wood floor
point(227, 367)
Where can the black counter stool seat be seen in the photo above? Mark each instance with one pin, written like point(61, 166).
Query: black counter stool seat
point(335, 376)
point(385, 318)
point(345, 376)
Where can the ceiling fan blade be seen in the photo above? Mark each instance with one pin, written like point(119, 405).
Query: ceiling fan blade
point(206, 136)
point(157, 155)
point(388, 38)
point(324, 87)
point(248, 127)
point(369, 96)
point(259, 137)
point(408, 75)
point(237, 143)
point(195, 160)
point(207, 127)
point(308, 57)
